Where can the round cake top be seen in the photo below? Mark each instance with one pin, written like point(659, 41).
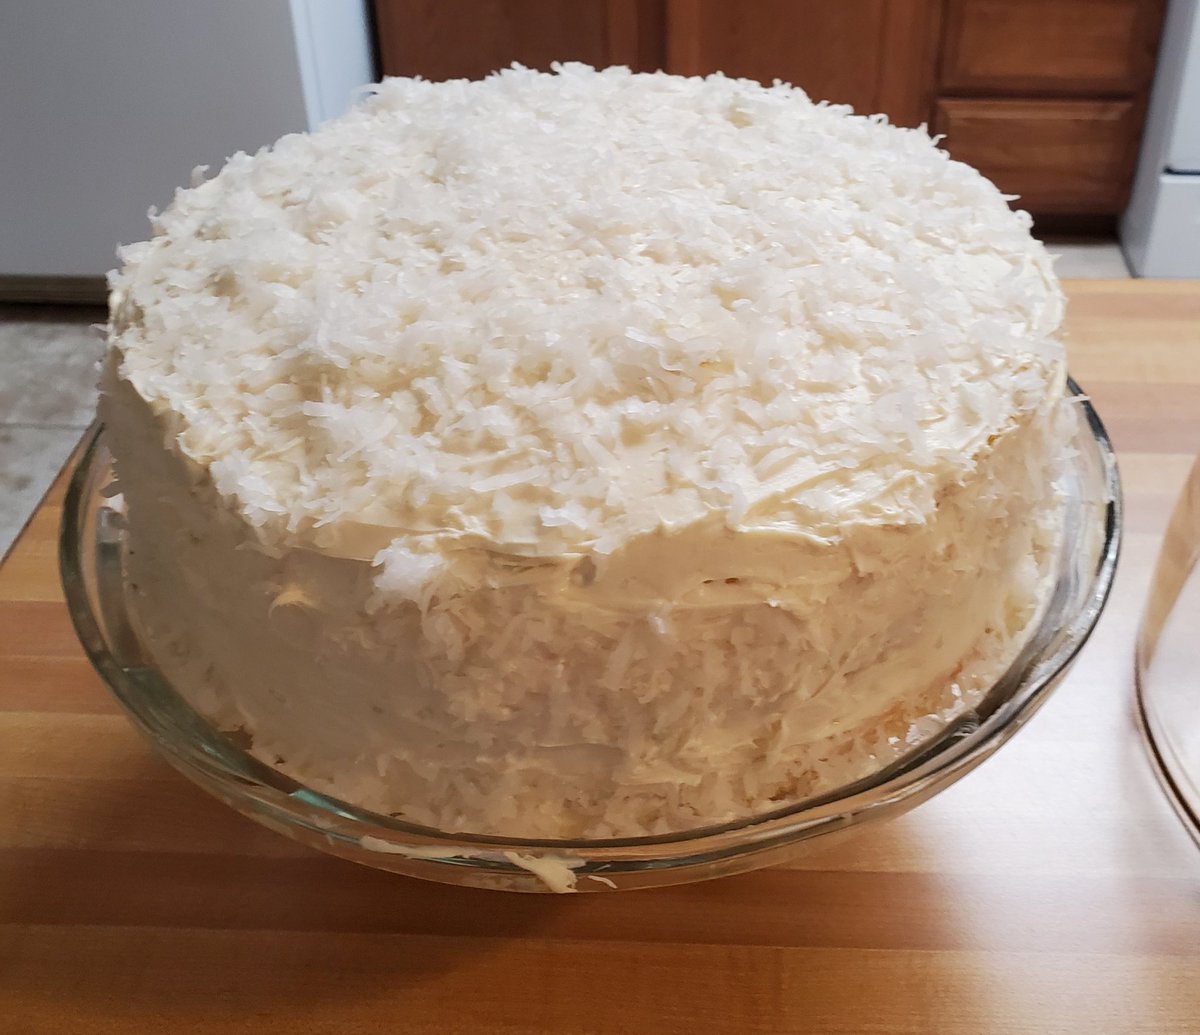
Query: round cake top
point(549, 313)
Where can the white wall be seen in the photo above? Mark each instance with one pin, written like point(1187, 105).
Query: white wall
point(107, 105)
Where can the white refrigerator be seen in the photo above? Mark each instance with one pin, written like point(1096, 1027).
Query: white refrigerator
point(1160, 230)
point(107, 105)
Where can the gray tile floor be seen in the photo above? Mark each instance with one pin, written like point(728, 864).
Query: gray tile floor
point(1084, 259)
point(48, 358)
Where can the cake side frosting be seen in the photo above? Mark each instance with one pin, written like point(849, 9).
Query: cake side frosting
point(588, 453)
point(522, 711)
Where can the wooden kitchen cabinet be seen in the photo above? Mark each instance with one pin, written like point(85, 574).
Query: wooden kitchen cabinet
point(1046, 97)
point(1059, 156)
point(1049, 47)
point(467, 39)
point(875, 55)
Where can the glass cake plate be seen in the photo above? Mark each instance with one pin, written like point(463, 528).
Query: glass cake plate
point(92, 556)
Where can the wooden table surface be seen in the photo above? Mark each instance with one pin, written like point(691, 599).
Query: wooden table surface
point(1052, 890)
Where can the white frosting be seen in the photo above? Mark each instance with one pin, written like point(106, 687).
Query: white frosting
point(595, 454)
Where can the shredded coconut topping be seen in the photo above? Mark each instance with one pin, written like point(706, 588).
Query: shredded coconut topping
point(552, 313)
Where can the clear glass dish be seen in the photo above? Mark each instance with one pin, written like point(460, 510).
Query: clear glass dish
point(92, 551)
point(1168, 687)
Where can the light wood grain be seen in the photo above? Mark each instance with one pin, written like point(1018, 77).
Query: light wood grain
point(1051, 891)
point(521, 982)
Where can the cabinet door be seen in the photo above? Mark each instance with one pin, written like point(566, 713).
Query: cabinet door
point(1061, 157)
point(467, 39)
point(875, 55)
point(1048, 47)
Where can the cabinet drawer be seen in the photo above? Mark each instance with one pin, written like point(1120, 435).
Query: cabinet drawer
point(441, 40)
point(1059, 47)
point(1061, 157)
point(875, 55)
